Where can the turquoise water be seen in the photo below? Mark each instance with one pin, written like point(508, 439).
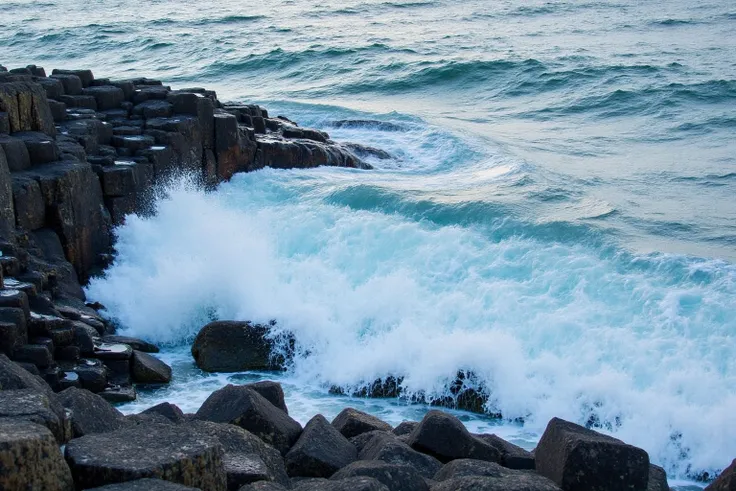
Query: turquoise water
point(558, 216)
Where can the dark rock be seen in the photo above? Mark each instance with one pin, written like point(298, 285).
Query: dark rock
point(577, 458)
point(248, 458)
point(143, 94)
point(658, 479)
point(229, 346)
point(13, 298)
point(367, 151)
point(445, 437)
point(368, 124)
point(135, 343)
point(119, 351)
point(394, 477)
point(16, 153)
point(512, 456)
point(147, 369)
point(145, 485)
point(92, 374)
point(170, 452)
point(58, 110)
point(726, 480)
point(227, 146)
point(320, 451)
point(53, 87)
point(389, 449)
point(246, 408)
point(79, 101)
point(71, 84)
point(263, 486)
point(85, 337)
point(90, 413)
point(31, 459)
point(133, 143)
point(13, 377)
point(363, 439)
point(67, 353)
point(154, 109)
point(30, 211)
point(4, 122)
point(11, 337)
point(7, 212)
point(167, 410)
point(42, 148)
point(37, 354)
point(351, 422)
point(35, 407)
point(107, 96)
point(359, 483)
point(118, 394)
point(272, 392)
point(85, 76)
point(27, 107)
point(405, 428)
point(525, 481)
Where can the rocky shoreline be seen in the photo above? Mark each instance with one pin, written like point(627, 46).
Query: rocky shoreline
point(78, 154)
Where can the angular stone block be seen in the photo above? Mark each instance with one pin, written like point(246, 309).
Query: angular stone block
point(107, 96)
point(85, 76)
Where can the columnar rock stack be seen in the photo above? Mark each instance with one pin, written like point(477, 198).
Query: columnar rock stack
point(78, 154)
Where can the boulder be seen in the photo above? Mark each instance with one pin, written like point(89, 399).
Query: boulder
point(167, 410)
point(145, 485)
point(445, 437)
point(244, 407)
point(170, 452)
point(364, 439)
point(657, 479)
point(521, 482)
point(394, 477)
point(14, 377)
point(230, 346)
point(320, 451)
point(135, 343)
point(147, 369)
point(272, 392)
point(512, 456)
point(388, 448)
point(351, 422)
point(359, 483)
point(726, 480)
point(247, 457)
point(85, 76)
point(90, 413)
point(31, 459)
point(578, 459)
point(405, 428)
point(35, 407)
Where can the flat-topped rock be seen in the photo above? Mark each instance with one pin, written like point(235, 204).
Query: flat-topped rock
point(394, 477)
point(90, 413)
point(145, 485)
point(168, 452)
point(35, 407)
point(31, 459)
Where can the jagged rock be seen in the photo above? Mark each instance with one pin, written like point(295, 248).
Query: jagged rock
point(16, 153)
point(228, 152)
point(145, 485)
point(247, 457)
point(445, 437)
point(14, 377)
point(658, 479)
point(272, 392)
point(577, 458)
point(229, 346)
point(35, 407)
point(405, 428)
point(320, 451)
point(244, 407)
point(726, 480)
point(394, 477)
point(351, 422)
point(170, 452)
point(512, 456)
point(167, 410)
point(147, 369)
point(135, 343)
point(359, 483)
point(31, 459)
point(388, 448)
point(90, 413)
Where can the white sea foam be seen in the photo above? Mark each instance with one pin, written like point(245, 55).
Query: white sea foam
point(641, 344)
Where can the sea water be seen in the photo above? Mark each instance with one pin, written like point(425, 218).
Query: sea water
point(557, 215)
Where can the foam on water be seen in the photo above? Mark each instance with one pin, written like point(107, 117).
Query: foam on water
point(638, 345)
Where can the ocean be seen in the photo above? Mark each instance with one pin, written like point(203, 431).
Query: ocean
point(557, 217)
